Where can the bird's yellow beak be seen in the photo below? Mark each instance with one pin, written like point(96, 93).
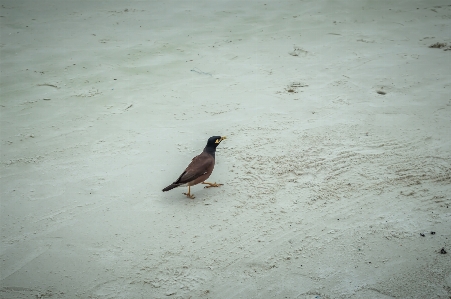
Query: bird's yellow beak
point(220, 139)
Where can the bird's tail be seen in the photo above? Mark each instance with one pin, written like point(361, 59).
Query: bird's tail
point(171, 186)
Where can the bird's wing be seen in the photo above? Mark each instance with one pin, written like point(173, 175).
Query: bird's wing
point(188, 176)
point(198, 166)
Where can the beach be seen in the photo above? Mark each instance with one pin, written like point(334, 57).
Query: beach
point(336, 167)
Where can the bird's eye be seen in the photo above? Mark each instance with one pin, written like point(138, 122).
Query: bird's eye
point(217, 141)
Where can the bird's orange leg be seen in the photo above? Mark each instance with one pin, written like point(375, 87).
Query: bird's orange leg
point(211, 184)
point(189, 193)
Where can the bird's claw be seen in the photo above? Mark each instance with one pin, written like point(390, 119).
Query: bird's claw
point(189, 195)
point(211, 185)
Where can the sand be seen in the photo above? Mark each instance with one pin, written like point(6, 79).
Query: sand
point(336, 170)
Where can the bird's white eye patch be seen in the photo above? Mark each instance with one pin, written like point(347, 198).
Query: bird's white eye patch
point(217, 141)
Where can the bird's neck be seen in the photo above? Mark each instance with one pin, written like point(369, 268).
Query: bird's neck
point(210, 150)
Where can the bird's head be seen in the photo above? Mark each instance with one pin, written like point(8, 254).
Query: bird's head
point(214, 141)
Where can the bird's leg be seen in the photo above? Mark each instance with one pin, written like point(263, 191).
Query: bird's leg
point(189, 193)
point(211, 184)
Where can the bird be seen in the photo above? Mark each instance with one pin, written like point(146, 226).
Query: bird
point(199, 169)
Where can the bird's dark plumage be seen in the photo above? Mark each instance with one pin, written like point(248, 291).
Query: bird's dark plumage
point(200, 168)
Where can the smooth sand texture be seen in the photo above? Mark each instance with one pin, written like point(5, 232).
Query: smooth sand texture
point(328, 181)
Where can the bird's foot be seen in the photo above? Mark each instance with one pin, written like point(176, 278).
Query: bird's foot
point(211, 184)
point(190, 195)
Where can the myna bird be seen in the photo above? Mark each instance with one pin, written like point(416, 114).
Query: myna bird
point(199, 169)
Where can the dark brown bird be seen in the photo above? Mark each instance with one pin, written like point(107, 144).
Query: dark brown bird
point(199, 169)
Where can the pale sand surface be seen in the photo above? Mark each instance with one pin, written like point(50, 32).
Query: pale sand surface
point(327, 188)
